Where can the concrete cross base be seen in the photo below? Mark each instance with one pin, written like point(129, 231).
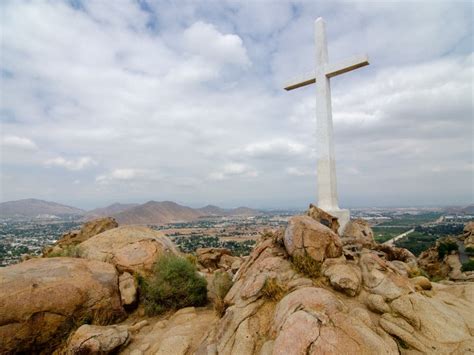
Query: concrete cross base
point(343, 217)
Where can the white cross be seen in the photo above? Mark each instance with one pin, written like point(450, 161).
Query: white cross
point(326, 168)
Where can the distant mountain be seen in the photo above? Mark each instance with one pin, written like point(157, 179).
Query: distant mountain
point(211, 210)
point(468, 209)
point(244, 211)
point(154, 212)
point(31, 208)
point(110, 210)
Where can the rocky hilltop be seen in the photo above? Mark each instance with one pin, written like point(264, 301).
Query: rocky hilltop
point(302, 290)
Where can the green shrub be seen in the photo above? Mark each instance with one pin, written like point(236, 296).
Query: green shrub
point(306, 265)
point(273, 290)
point(221, 284)
point(174, 284)
point(470, 250)
point(468, 266)
point(445, 248)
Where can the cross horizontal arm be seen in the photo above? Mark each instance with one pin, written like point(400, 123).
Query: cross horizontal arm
point(299, 83)
point(346, 65)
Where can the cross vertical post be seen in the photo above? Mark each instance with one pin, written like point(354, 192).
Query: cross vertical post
point(326, 162)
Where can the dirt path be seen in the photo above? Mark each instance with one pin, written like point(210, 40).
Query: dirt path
point(400, 236)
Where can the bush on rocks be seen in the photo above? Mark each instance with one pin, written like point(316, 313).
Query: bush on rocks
point(173, 284)
point(468, 266)
point(445, 248)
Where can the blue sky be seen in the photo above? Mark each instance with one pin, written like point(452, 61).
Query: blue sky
point(137, 100)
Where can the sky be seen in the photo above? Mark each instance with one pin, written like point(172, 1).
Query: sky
point(133, 101)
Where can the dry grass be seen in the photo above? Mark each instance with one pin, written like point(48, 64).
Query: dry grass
point(191, 258)
point(272, 290)
point(221, 284)
point(72, 251)
point(306, 265)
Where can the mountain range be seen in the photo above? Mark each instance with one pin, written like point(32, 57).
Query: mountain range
point(152, 212)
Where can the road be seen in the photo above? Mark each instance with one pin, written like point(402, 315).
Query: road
point(400, 236)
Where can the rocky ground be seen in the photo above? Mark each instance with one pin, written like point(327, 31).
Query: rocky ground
point(305, 290)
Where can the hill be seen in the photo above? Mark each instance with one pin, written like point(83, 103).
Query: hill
point(32, 208)
point(110, 210)
point(211, 210)
point(154, 212)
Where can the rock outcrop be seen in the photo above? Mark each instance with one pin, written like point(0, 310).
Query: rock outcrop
point(358, 232)
point(130, 248)
point(442, 261)
point(41, 300)
point(178, 334)
point(323, 217)
point(305, 236)
point(362, 303)
point(75, 237)
point(212, 259)
point(468, 235)
point(96, 339)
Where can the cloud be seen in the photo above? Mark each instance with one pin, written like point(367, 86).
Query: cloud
point(234, 170)
point(171, 98)
point(22, 143)
point(127, 175)
point(273, 149)
point(71, 164)
point(294, 171)
point(204, 40)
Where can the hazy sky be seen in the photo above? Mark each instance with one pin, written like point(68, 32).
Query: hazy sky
point(105, 101)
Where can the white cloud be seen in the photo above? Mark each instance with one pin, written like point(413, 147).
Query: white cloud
point(274, 148)
point(294, 171)
point(204, 40)
point(19, 143)
point(234, 170)
point(125, 175)
point(165, 97)
point(71, 164)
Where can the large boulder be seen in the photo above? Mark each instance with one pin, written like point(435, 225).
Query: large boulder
point(216, 258)
point(432, 264)
point(468, 235)
point(323, 217)
point(305, 236)
point(274, 309)
point(75, 237)
point(313, 321)
point(344, 276)
point(358, 232)
point(96, 339)
point(41, 300)
point(130, 248)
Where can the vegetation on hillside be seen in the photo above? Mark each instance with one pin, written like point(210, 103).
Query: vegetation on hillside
point(424, 237)
point(445, 248)
point(174, 284)
point(189, 244)
point(468, 266)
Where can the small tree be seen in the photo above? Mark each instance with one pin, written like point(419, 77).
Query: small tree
point(174, 284)
point(445, 248)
